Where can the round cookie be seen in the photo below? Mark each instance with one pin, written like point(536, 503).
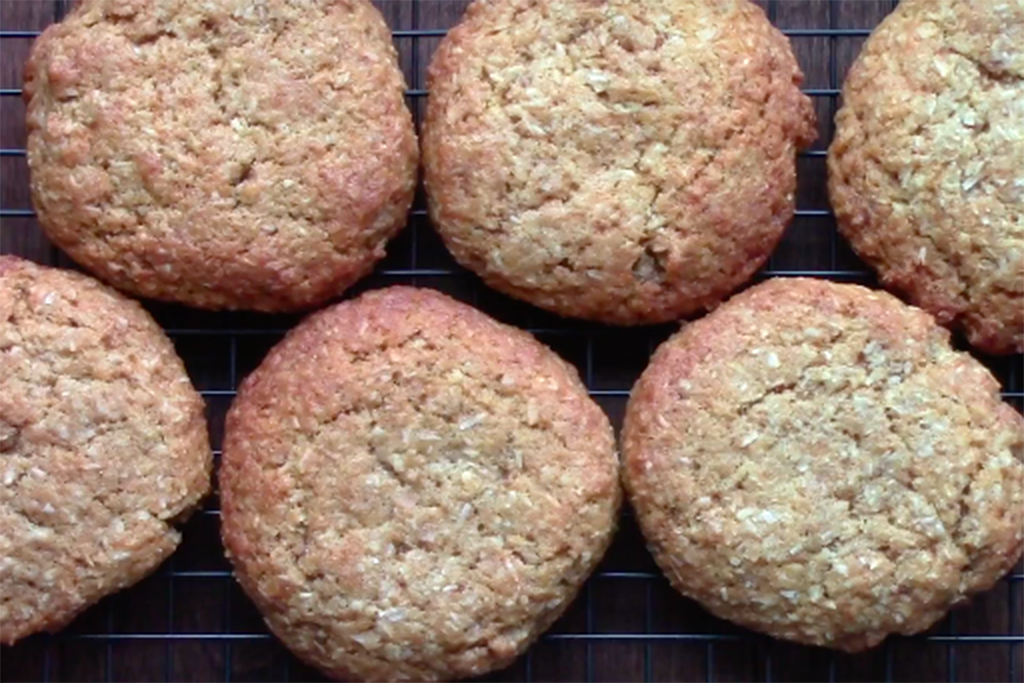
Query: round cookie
point(225, 153)
point(813, 460)
point(412, 490)
point(622, 161)
point(926, 171)
point(103, 446)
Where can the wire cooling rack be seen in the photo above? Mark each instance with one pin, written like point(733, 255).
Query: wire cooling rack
point(189, 621)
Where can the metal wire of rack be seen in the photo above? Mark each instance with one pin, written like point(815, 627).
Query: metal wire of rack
point(627, 624)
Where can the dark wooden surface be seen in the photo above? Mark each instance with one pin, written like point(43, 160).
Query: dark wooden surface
point(191, 622)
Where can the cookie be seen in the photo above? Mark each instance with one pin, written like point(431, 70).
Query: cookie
point(227, 154)
point(813, 460)
point(412, 490)
point(926, 171)
point(622, 161)
point(103, 446)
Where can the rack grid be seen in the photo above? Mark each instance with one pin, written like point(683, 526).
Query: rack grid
point(189, 621)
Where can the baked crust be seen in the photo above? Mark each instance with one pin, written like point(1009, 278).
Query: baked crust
point(813, 460)
point(413, 491)
point(625, 161)
point(926, 171)
point(103, 446)
point(225, 153)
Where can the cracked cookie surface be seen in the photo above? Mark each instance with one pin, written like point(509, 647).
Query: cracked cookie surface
point(103, 446)
point(412, 490)
point(813, 460)
point(625, 161)
point(224, 154)
point(927, 166)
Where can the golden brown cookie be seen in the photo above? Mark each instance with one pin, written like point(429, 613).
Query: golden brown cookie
point(412, 490)
point(103, 446)
point(927, 166)
point(813, 460)
point(629, 161)
point(221, 153)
